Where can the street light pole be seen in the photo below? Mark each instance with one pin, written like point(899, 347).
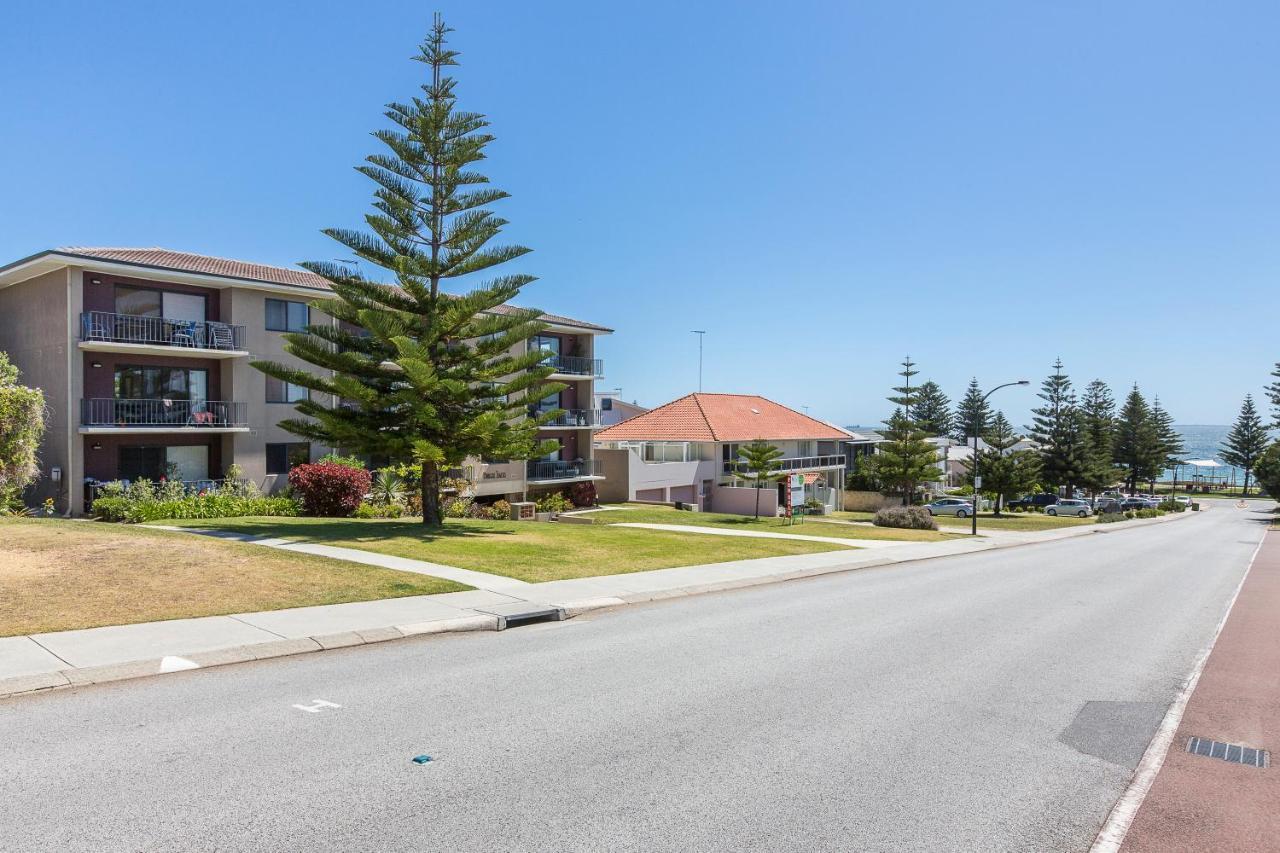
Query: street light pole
point(700, 333)
point(977, 479)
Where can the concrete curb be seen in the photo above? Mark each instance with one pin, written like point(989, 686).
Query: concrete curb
point(80, 676)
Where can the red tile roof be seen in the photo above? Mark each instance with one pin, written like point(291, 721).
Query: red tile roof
point(168, 259)
point(720, 417)
point(204, 264)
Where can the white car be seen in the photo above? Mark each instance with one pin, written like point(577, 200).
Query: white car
point(959, 507)
point(1070, 507)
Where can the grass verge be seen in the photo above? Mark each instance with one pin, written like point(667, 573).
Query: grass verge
point(1021, 521)
point(526, 550)
point(647, 514)
point(58, 575)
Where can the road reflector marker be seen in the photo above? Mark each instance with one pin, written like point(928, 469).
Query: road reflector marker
point(421, 759)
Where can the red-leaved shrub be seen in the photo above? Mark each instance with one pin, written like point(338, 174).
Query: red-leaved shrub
point(328, 488)
point(583, 494)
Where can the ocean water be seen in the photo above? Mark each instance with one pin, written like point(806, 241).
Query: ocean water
point(1204, 441)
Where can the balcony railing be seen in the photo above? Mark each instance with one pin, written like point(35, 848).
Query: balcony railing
point(108, 327)
point(576, 418)
point(542, 470)
point(178, 414)
point(575, 365)
point(794, 463)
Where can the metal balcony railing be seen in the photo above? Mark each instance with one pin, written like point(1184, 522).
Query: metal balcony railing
point(179, 414)
point(576, 365)
point(576, 418)
point(542, 470)
point(794, 463)
point(106, 326)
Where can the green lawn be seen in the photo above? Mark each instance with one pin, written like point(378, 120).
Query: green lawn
point(526, 550)
point(58, 575)
point(648, 514)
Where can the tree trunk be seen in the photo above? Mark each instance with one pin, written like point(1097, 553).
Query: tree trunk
point(1247, 472)
point(757, 503)
point(431, 516)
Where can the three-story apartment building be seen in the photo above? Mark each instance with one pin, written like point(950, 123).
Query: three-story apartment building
point(144, 358)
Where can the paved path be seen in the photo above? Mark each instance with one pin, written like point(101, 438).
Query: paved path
point(765, 534)
point(1202, 803)
point(989, 701)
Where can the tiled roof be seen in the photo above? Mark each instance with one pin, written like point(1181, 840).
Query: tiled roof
point(207, 265)
point(204, 264)
point(720, 417)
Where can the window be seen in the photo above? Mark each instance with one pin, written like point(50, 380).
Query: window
point(171, 305)
point(161, 383)
point(606, 404)
point(282, 457)
point(804, 448)
point(279, 391)
point(141, 463)
point(284, 316)
point(137, 301)
point(545, 342)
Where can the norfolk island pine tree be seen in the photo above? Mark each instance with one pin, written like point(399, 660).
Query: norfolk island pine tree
point(760, 465)
point(1247, 441)
point(420, 373)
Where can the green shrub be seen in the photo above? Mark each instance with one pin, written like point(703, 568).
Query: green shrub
point(1111, 517)
point(1147, 513)
point(553, 502)
point(344, 461)
point(1172, 506)
point(906, 517)
point(212, 504)
point(1128, 513)
point(500, 511)
point(379, 510)
point(457, 507)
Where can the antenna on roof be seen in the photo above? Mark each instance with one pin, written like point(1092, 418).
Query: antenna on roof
point(701, 333)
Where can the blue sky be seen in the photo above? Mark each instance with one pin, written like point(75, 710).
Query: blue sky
point(823, 187)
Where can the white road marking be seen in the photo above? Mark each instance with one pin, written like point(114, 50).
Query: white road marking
point(1112, 834)
point(173, 663)
point(316, 706)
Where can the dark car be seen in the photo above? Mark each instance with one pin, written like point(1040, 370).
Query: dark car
point(1134, 503)
point(1039, 501)
point(1107, 505)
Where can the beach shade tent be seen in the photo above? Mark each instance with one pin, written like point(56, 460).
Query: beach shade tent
point(1204, 473)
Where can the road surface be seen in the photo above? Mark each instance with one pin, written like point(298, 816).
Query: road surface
point(989, 702)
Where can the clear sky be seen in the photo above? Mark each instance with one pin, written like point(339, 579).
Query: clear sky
point(823, 187)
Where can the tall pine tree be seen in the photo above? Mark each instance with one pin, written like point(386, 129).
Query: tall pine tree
point(973, 414)
point(1059, 429)
point(1273, 392)
point(905, 459)
point(1005, 471)
point(1168, 439)
point(1136, 446)
point(423, 374)
point(904, 395)
point(1247, 440)
point(1098, 409)
point(933, 410)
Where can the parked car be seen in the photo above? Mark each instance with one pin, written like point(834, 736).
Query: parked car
point(1039, 501)
point(959, 507)
point(1107, 504)
point(1133, 503)
point(1070, 507)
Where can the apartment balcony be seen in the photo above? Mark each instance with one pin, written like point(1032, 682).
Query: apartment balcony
point(541, 471)
point(114, 415)
point(576, 419)
point(795, 463)
point(574, 367)
point(105, 331)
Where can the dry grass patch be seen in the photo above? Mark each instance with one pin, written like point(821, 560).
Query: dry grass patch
point(60, 575)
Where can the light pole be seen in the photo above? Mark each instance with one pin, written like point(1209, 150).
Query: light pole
point(977, 480)
point(700, 333)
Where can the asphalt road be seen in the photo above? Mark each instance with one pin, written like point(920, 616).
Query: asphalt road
point(991, 702)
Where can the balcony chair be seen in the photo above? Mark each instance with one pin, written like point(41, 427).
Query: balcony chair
point(220, 336)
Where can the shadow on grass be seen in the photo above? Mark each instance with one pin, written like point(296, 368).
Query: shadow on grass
point(357, 530)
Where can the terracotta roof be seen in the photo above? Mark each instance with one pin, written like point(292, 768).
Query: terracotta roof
point(203, 264)
point(168, 259)
point(720, 417)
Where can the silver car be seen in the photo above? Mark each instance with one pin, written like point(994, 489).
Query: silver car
point(959, 507)
point(1070, 507)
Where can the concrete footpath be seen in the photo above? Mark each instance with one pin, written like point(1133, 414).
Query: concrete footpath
point(94, 655)
point(1201, 802)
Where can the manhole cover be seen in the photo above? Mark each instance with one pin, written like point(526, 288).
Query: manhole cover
point(1232, 752)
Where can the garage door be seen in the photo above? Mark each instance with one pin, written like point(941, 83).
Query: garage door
point(648, 494)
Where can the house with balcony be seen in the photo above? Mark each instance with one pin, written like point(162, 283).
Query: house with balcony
point(687, 451)
point(144, 358)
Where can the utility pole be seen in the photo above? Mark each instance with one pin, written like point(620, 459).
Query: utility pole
point(701, 333)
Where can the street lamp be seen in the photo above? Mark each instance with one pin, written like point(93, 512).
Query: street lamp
point(977, 480)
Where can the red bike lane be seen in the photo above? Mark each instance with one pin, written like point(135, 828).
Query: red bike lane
point(1202, 803)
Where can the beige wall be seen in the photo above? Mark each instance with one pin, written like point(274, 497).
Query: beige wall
point(36, 333)
point(242, 382)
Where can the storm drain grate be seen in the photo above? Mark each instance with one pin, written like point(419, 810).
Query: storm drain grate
point(1232, 752)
